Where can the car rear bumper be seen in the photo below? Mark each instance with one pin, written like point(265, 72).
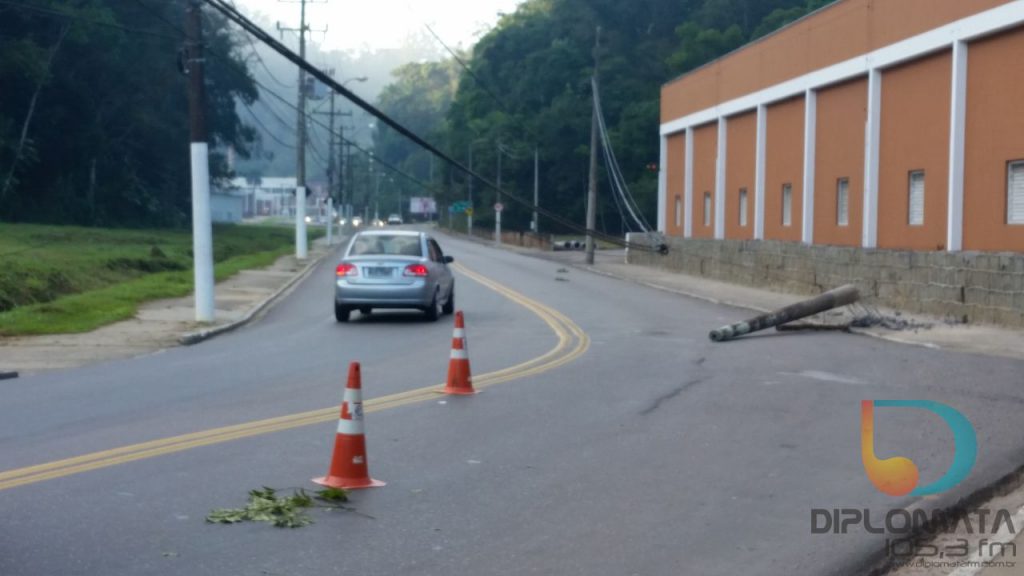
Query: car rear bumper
point(416, 295)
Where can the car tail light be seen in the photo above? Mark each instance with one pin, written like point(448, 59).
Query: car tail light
point(415, 270)
point(346, 269)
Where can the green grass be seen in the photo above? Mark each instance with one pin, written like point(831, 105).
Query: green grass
point(56, 279)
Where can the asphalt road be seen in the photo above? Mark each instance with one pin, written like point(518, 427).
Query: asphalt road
point(634, 447)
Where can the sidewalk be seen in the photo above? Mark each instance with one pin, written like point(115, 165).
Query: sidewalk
point(161, 323)
point(918, 330)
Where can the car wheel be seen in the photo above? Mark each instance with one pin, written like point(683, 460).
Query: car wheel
point(365, 311)
point(341, 313)
point(449, 306)
point(434, 310)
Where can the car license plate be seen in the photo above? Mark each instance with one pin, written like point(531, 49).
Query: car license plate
point(378, 272)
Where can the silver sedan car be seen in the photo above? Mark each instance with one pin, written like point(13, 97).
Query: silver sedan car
point(393, 269)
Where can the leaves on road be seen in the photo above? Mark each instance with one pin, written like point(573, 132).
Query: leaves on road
point(282, 511)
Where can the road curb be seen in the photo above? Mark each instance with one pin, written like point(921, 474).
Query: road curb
point(204, 335)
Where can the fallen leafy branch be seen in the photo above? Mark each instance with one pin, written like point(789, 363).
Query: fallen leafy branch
point(283, 512)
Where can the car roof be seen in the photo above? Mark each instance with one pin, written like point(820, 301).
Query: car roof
point(390, 233)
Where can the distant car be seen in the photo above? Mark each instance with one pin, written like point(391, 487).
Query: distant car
point(378, 223)
point(393, 269)
point(394, 220)
point(357, 221)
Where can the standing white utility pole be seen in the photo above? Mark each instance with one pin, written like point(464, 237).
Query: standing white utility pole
point(536, 190)
point(469, 216)
point(592, 189)
point(331, 169)
point(202, 229)
point(301, 245)
point(497, 202)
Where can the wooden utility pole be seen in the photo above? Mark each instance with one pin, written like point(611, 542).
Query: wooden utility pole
point(202, 229)
point(592, 189)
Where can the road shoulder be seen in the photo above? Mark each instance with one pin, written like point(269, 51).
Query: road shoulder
point(162, 324)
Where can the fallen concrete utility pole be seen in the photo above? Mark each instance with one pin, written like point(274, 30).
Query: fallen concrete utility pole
point(832, 299)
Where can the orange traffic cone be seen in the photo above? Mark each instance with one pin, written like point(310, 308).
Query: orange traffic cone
point(460, 380)
point(348, 464)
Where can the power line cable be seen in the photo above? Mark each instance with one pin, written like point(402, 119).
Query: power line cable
point(232, 14)
point(264, 127)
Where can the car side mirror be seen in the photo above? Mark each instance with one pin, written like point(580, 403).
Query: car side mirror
point(448, 259)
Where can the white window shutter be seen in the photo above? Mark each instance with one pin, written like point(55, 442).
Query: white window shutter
point(916, 212)
point(743, 206)
point(1015, 190)
point(707, 208)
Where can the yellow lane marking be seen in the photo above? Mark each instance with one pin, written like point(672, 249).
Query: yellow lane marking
point(564, 328)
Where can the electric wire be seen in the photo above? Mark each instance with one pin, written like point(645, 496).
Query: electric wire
point(232, 14)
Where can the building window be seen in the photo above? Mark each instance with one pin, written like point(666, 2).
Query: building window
point(787, 204)
point(1015, 192)
point(915, 212)
point(679, 212)
point(707, 208)
point(743, 206)
point(843, 202)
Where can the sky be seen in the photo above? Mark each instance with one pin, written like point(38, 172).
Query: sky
point(358, 25)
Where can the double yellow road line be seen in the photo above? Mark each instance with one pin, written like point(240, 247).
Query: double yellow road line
point(572, 343)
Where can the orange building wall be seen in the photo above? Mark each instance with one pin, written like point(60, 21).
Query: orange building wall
point(740, 160)
point(705, 151)
point(839, 153)
point(915, 136)
point(995, 136)
point(837, 33)
point(675, 183)
point(784, 163)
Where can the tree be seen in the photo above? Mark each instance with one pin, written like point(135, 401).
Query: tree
point(106, 142)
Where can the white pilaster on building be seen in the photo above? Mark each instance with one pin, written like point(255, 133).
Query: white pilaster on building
point(688, 186)
point(759, 168)
point(957, 129)
point(872, 142)
point(810, 143)
point(663, 185)
point(720, 158)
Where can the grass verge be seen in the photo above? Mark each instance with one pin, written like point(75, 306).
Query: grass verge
point(66, 280)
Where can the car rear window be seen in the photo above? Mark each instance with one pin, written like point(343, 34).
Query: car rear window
point(386, 245)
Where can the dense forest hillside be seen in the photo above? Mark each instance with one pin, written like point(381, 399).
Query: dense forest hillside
point(94, 115)
point(93, 111)
point(528, 85)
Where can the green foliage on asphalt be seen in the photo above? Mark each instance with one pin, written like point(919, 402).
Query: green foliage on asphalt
point(265, 505)
point(64, 279)
point(534, 89)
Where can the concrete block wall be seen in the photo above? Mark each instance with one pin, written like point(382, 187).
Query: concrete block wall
point(962, 286)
